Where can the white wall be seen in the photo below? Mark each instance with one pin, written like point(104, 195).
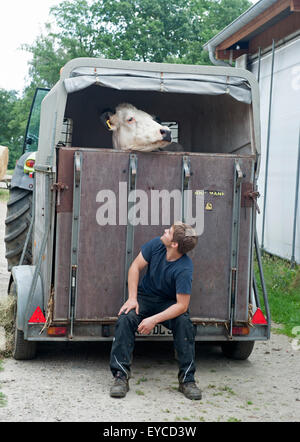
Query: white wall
point(283, 150)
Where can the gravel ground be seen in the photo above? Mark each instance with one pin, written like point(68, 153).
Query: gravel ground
point(70, 382)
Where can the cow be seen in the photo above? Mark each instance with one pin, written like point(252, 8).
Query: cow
point(134, 129)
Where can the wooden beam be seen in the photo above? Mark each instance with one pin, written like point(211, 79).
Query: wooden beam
point(295, 5)
point(256, 23)
point(225, 55)
point(280, 30)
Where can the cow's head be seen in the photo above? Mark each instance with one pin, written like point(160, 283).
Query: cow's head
point(134, 129)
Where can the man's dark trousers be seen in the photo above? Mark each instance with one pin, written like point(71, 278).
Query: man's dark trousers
point(127, 325)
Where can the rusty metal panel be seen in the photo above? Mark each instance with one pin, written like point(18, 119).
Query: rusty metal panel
point(244, 261)
point(101, 248)
point(62, 266)
point(210, 297)
point(156, 171)
point(65, 176)
point(214, 175)
point(63, 235)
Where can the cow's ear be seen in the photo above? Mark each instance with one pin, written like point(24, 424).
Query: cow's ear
point(105, 116)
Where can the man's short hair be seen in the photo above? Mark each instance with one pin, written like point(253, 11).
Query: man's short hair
point(185, 236)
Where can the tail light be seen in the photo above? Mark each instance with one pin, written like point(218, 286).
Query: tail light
point(57, 331)
point(240, 330)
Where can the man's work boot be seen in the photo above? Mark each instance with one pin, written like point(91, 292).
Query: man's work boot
point(120, 386)
point(190, 390)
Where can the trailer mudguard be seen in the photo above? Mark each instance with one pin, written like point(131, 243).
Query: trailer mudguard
point(23, 276)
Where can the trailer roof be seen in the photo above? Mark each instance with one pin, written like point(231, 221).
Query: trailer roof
point(161, 80)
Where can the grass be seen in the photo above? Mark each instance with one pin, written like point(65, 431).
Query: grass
point(2, 400)
point(283, 289)
point(142, 379)
point(140, 393)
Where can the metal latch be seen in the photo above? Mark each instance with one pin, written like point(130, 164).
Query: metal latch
point(253, 195)
point(59, 187)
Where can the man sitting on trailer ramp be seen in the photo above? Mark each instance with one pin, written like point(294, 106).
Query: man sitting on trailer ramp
point(163, 296)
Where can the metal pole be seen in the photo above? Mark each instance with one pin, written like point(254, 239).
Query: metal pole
point(268, 147)
point(263, 285)
point(259, 60)
point(296, 206)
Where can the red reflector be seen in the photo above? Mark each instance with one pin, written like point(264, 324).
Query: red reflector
point(259, 318)
point(57, 331)
point(37, 317)
point(31, 175)
point(30, 163)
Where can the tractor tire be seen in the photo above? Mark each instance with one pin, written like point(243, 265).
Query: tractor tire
point(17, 222)
point(239, 350)
point(22, 349)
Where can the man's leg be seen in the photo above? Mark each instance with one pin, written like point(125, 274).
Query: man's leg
point(184, 343)
point(123, 346)
point(121, 352)
point(123, 343)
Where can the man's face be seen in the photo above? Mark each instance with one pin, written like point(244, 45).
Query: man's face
point(167, 237)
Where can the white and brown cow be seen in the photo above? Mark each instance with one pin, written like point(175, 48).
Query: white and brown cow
point(134, 129)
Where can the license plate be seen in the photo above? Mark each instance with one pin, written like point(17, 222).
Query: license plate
point(159, 330)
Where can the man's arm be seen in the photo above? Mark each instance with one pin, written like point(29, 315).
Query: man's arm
point(133, 280)
point(171, 312)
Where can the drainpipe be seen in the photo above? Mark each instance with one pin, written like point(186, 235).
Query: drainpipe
point(211, 52)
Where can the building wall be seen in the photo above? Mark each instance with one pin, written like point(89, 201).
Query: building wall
point(283, 149)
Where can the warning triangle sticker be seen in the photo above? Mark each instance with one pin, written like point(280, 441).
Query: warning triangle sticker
point(258, 317)
point(37, 317)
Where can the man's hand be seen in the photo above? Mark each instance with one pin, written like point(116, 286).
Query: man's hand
point(130, 304)
point(147, 325)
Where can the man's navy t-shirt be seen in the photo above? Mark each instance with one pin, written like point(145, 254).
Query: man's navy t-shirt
point(165, 278)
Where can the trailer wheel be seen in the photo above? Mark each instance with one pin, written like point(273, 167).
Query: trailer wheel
point(17, 222)
point(22, 349)
point(239, 350)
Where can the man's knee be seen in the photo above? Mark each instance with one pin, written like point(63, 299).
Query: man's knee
point(183, 322)
point(128, 319)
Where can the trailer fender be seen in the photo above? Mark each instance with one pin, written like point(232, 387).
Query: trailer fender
point(23, 276)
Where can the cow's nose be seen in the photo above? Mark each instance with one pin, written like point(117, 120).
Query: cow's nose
point(166, 134)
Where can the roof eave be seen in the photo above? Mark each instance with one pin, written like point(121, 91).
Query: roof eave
point(245, 18)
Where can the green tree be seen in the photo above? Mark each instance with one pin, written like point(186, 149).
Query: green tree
point(146, 30)
point(9, 133)
point(14, 113)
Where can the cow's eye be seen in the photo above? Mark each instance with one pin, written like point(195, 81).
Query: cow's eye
point(130, 120)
